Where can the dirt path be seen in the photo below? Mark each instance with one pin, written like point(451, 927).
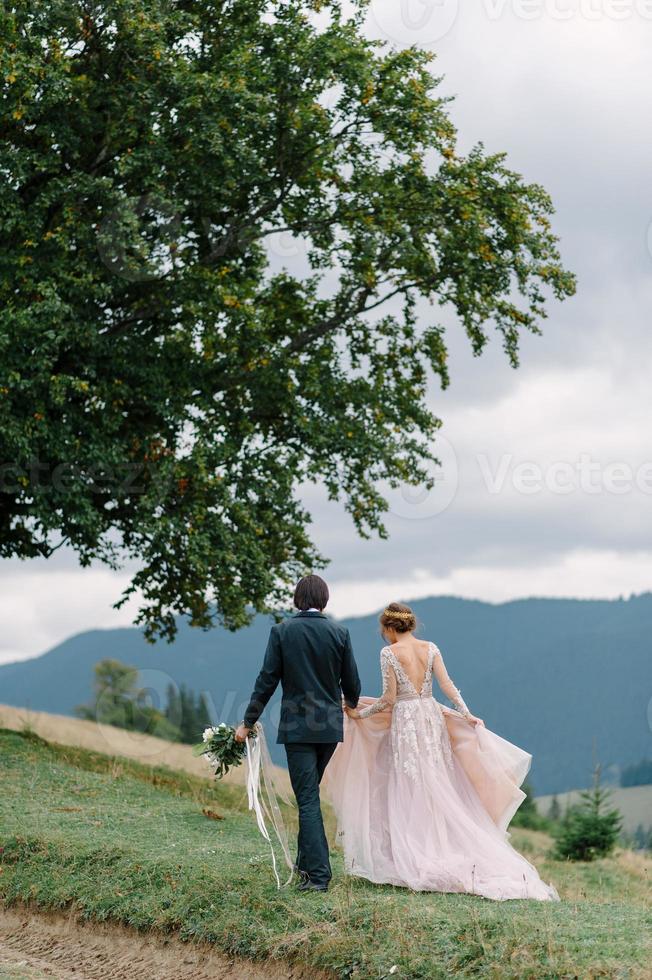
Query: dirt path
point(34, 946)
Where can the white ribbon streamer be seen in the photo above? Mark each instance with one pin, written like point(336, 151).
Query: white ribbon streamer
point(265, 803)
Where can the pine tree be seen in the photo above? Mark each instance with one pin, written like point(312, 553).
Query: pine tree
point(202, 714)
point(554, 810)
point(173, 705)
point(188, 722)
point(588, 830)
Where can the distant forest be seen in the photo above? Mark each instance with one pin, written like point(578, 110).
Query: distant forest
point(119, 701)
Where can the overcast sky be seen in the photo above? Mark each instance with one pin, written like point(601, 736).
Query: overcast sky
point(546, 487)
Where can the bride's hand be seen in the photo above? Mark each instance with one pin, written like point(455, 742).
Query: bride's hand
point(476, 722)
point(351, 712)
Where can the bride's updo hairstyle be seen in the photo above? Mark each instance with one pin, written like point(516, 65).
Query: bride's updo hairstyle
point(398, 617)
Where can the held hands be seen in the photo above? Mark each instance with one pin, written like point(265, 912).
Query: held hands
point(351, 712)
point(242, 733)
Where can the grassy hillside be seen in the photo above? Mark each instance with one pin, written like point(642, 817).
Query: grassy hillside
point(539, 671)
point(110, 740)
point(120, 841)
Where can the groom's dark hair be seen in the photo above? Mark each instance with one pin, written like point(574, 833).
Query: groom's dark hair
point(311, 593)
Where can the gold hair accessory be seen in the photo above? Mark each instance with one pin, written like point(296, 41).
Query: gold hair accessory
point(395, 614)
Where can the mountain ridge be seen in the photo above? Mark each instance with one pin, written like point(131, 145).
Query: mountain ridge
point(544, 673)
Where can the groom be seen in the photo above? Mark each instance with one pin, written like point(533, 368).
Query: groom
point(312, 658)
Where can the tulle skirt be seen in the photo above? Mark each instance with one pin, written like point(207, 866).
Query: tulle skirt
point(423, 801)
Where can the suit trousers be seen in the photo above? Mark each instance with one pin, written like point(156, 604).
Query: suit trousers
point(306, 764)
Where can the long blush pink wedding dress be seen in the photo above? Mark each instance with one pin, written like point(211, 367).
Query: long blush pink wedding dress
point(423, 798)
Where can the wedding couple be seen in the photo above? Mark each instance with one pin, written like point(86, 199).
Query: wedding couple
point(423, 794)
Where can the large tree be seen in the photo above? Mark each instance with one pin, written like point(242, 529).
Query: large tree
point(165, 389)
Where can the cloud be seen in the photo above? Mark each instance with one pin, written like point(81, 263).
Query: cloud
point(586, 574)
point(42, 604)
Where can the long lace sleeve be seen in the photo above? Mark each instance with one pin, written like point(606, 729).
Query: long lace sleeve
point(388, 697)
point(446, 684)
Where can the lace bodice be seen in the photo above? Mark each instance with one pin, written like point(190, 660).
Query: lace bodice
point(397, 686)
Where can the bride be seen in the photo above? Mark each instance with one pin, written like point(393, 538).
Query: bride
point(424, 794)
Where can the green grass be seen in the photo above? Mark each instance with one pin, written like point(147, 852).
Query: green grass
point(123, 842)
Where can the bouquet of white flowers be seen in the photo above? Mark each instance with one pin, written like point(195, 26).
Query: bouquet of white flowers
point(221, 749)
point(223, 752)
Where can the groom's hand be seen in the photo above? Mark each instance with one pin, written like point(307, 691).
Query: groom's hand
point(241, 733)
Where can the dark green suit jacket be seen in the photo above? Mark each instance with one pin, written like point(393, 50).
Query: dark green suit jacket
point(311, 657)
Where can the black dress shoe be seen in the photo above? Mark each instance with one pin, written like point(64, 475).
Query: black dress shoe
point(310, 886)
